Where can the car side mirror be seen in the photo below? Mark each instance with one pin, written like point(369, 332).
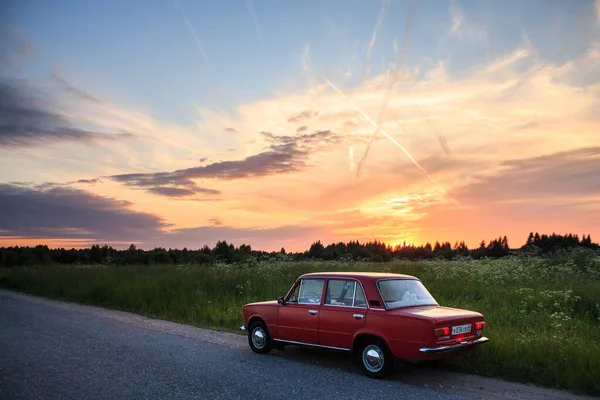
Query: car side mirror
point(281, 301)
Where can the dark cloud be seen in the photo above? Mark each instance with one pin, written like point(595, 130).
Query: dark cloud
point(302, 129)
point(279, 159)
point(232, 130)
point(308, 142)
point(569, 174)
point(284, 154)
point(171, 191)
point(25, 120)
point(319, 137)
point(303, 116)
point(65, 213)
point(90, 181)
point(60, 212)
point(164, 185)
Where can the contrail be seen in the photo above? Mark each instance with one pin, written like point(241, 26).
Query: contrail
point(250, 7)
point(405, 38)
point(374, 38)
point(195, 35)
point(305, 59)
point(379, 129)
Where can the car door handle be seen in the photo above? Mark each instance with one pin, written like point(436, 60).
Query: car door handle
point(358, 316)
point(312, 312)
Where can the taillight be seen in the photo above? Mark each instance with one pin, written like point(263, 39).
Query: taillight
point(479, 325)
point(442, 332)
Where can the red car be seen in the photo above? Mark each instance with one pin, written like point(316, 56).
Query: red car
point(378, 316)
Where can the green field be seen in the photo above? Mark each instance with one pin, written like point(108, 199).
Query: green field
point(543, 314)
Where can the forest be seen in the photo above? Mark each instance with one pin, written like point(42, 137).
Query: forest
point(375, 251)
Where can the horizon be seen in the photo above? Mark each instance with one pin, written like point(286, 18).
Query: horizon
point(398, 246)
point(171, 123)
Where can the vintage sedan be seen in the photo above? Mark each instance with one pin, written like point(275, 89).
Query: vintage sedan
point(378, 316)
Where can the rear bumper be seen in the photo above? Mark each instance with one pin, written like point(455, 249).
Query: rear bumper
point(458, 346)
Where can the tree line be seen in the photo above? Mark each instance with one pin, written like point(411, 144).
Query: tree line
point(226, 252)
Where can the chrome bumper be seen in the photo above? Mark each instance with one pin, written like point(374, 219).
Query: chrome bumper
point(243, 328)
point(458, 346)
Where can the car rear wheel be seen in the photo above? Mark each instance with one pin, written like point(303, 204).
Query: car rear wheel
point(259, 338)
point(376, 360)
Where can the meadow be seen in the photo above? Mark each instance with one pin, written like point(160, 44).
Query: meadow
point(542, 314)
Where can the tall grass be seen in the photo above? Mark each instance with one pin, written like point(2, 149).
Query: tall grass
point(543, 315)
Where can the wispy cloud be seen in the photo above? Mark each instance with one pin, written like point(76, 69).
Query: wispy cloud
point(512, 58)
point(463, 28)
point(382, 11)
point(78, 93)
point(14, 48)
point(27, 119)
point(272, 238)
point(573, 175)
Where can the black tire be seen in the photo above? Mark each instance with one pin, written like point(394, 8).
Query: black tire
point(376, 360)
point(259, 338)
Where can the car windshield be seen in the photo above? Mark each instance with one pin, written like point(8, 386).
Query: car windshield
point(397, 293)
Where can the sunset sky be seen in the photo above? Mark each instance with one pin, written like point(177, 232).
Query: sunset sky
point(180, 123)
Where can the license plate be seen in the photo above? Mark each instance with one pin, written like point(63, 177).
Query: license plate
point(457, 330)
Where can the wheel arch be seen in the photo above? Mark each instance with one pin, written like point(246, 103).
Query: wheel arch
point(361, 337)
point(255, 318)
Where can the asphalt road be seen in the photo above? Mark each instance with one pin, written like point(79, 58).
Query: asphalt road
point(54, 350)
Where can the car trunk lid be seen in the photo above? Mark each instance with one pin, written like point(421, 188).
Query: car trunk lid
point(442, 315)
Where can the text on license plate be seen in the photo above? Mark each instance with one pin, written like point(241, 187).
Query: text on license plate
point(457, 330)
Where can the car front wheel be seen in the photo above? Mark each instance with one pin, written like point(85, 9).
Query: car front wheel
point(259, 338)
point(375, 359)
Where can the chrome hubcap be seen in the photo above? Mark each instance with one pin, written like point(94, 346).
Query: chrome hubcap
point(259, 338)
point(373, 358)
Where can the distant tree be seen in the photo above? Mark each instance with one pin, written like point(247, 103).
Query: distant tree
point(317, 250)
point(245, 248)
point(223, 251)
point(530, 239)
point(95, 254)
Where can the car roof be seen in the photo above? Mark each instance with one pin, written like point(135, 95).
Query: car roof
point(358, 275)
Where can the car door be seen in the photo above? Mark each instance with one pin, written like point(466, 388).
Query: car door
point(299, 316)
point(343, 312)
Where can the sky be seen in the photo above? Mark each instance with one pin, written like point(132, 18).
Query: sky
point(178, 123)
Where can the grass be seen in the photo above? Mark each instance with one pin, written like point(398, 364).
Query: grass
point(543, 315)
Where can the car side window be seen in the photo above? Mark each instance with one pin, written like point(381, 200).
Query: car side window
point(344, 293)
point(359, 298)
point(311, 291)
point(294, 295)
